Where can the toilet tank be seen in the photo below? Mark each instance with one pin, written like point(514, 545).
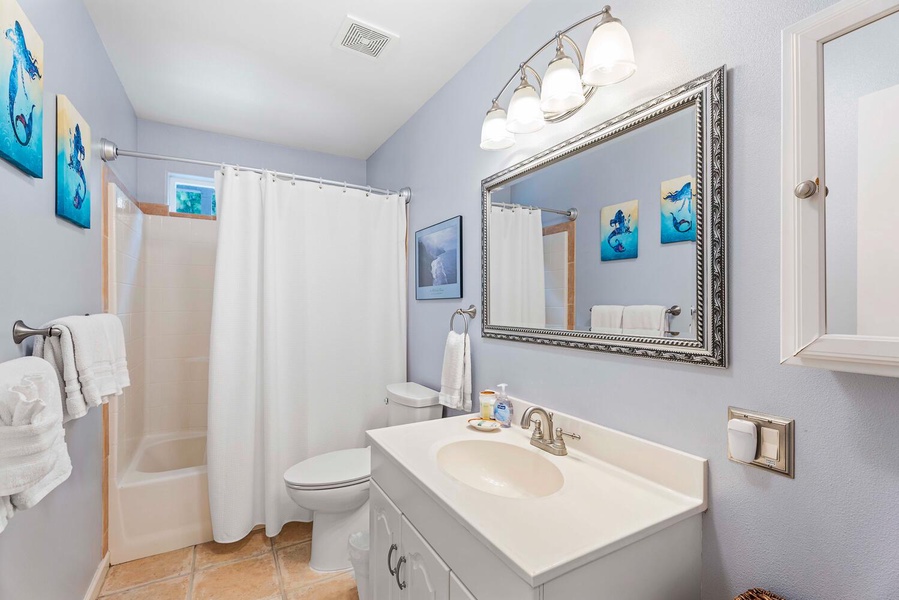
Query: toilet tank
point(410, 403)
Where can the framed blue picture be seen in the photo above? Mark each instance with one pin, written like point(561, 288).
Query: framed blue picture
point(21, 74)
point(73, 164)
point(438, 260)
point(678, 216)
point(619, 230)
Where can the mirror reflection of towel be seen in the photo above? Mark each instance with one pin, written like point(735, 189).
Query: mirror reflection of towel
point(646, 320)
point(606, 318)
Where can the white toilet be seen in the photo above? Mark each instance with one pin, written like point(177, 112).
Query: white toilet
point(335, 485)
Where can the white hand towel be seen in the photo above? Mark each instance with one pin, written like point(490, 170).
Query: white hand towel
point(644, 320)
point(6, 512)
point(89, 355)
point(34, 458)
point(455, 381)
point(606, 318)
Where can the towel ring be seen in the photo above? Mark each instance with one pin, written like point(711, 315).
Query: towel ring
point(464, 318)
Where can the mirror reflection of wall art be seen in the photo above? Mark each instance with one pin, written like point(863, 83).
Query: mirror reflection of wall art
point(619, 230)
point(438, 260)
point(21, 68)
point(678, 216)
point(73, 159)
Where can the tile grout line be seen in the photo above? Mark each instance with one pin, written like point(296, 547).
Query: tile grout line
point(193, 570)
point(271, 542)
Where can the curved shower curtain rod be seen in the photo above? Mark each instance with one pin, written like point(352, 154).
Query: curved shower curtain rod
point(109, 151)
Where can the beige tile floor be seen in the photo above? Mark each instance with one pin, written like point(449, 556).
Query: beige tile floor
point(255, 568)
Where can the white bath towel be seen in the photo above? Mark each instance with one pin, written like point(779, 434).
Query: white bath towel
point(34, 458)
point(606, 318)
point(455, 381)
point(89, 356)
point(645, 320)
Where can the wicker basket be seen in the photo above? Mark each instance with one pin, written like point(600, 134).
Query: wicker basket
point(758, 594)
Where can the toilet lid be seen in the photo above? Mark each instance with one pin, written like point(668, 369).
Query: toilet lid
point(334, 469)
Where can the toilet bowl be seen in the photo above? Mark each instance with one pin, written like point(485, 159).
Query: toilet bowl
point(334, 486)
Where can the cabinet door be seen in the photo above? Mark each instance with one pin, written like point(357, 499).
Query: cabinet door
point(457, 590)
point(384, 550)
point(425, 576)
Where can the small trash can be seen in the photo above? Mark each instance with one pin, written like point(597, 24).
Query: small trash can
point(358, 547)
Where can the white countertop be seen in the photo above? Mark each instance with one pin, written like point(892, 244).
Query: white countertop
point(618, 489)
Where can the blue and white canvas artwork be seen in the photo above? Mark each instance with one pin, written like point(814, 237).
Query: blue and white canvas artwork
point(73, 160)
point(438, 260)
point(619, 230)
point(21, 68)
point(678, 212)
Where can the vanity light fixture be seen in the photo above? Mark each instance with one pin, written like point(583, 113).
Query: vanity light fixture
point(565, 87)
point(525, 115)
point(494, 135)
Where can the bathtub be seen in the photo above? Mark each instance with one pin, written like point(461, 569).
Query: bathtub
point(161, 501)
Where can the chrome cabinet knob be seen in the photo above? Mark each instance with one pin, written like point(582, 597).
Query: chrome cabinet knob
point(806, 189)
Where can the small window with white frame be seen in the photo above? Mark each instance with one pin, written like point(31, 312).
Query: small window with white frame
point(191, 194)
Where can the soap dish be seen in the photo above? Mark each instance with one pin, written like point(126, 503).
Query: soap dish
point(484, 424)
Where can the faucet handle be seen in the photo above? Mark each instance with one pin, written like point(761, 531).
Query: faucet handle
point(560, 433)
point(538, 429)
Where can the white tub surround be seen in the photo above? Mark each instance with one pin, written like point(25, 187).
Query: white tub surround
point(161, 501)
point(625, 522)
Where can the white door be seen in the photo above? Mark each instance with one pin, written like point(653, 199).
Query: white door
point(422, 574)
point(457, 590)
point(384, 550)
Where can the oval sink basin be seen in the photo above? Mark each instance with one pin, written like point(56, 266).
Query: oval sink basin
point(500, 469)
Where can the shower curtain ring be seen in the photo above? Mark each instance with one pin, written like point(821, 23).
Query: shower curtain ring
point(319, 183)
point(294, 181)
point(237, 171)
point(344, 187)
point(368, 193)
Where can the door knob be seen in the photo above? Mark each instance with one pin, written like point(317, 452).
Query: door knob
point(806, 189)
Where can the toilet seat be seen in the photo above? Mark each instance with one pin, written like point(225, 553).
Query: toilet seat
point(334, 470)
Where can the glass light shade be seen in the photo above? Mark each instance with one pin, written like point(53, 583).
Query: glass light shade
point(525, 115)
point(562, 88)
point(494, 135)
point(610, 55)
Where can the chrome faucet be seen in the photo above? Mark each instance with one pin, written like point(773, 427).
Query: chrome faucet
point(555, 444)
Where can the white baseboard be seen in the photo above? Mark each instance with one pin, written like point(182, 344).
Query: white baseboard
point(93, 592)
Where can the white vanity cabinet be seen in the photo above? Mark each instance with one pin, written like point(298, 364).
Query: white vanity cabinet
point(402, 564)
point(618, 517)
point(457, 590)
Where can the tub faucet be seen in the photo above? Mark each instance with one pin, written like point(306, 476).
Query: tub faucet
point(555, 444)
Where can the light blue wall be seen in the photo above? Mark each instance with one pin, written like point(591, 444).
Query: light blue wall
point(831, 532)
point(171, 140)
point(51, 268)
point(631, 167)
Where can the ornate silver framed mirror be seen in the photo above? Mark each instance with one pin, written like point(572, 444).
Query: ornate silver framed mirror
point(615, 240)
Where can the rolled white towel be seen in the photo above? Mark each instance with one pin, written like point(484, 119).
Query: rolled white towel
point(34, 458)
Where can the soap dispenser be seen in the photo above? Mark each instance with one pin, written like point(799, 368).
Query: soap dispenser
point(503, 409)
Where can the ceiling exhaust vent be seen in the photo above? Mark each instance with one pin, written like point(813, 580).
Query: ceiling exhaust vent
point(358, 36)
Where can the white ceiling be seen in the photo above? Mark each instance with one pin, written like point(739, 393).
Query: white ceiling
point(267, 70)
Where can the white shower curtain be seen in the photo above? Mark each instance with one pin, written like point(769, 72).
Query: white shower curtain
point(517, 288)
point(308, 327)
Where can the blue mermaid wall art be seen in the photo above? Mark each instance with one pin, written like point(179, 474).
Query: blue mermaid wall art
point(73, 158)
point(678, 210)
point(619, 231)
point(22, 70)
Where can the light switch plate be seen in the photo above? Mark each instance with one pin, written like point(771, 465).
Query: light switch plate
point(785, 463)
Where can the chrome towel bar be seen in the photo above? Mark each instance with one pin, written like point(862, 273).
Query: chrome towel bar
point(21, 331)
